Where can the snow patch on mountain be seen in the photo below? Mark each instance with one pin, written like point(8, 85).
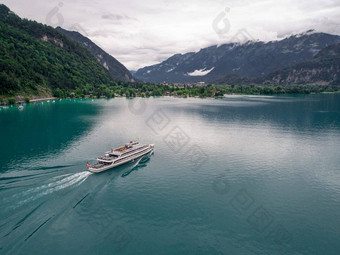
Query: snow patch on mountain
point(106, 66)
point(201, 72)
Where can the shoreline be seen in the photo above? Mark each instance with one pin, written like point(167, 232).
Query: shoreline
point(174, 96)
point(18, 102)
point(42, 99)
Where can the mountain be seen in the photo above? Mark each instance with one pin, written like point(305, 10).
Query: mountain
point(324, 69)
point(250, 60)
point(37, 59)
point(117, 71)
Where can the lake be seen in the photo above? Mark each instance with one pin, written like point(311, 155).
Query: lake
point(238, 175)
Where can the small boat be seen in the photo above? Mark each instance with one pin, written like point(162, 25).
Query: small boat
point(119, 156)
point(21, 107)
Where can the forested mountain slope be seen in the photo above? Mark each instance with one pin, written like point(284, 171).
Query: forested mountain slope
point(35, 58)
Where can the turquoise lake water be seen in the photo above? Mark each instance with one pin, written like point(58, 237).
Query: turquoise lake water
point(240, 175)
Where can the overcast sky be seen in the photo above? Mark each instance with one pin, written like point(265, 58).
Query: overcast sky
point(146, 32)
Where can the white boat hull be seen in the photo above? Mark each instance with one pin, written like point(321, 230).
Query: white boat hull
point(123, 161)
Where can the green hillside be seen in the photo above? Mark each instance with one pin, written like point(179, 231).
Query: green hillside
point(36, 59)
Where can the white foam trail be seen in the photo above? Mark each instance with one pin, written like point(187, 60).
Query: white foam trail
point(46, 189)
point(69, 178)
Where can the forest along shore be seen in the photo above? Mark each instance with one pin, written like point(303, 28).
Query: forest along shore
point(22, 99)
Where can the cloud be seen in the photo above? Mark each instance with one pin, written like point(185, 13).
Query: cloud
point(116, 17)
point(112, 16)
point(140, 33)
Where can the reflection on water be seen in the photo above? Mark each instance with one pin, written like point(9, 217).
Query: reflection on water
point(282, 112)
point(41, 130)
point(140, 163)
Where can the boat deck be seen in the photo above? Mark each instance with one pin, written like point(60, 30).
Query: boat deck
point(100, 165)
point(108, 158)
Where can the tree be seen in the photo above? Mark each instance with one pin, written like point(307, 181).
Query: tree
point(59, 93)
point(11, 100)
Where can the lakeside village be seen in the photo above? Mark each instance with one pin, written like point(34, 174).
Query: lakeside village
point(183, 90)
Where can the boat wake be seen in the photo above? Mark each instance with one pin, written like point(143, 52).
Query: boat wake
point(24, 197)
point(56, 183)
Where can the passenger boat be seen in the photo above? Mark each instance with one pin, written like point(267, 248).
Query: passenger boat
point(119, 156)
